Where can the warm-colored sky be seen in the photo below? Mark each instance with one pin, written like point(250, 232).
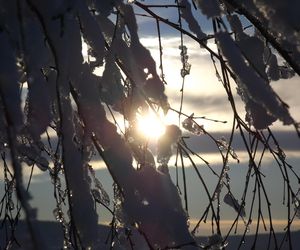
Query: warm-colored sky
point(204, 96)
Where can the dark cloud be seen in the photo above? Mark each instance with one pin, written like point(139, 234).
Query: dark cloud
point(147, 25)
point(201, 101)
point(287, 140)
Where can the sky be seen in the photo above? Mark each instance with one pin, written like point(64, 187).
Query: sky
point(204, 95)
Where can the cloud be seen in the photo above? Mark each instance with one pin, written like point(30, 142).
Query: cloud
point(204, 95)
point(203, 143)
point(147, 25)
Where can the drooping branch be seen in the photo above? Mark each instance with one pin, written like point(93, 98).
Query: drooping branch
point(266, 33)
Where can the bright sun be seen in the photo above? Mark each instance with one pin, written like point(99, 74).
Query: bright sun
point(151, 126)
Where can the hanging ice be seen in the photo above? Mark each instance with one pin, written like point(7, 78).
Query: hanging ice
point(224, 146)
point(184, 60)
point(232, 202)
point(190, 125)
point(297, 207)
point(214, 242)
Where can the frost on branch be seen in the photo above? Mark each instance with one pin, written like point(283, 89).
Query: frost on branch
point(190, 125)
point(255, 91)
point(297, 207)
point(184, 60)
point(224, 179)
point(32, 155)
point(66, 46)
point(296, 202)
point(225, 147)
point(65, 96)
point(99, 193)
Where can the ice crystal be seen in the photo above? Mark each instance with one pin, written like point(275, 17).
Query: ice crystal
point(224, 147)
point(224, 178)
point(190, 125)
point(31, 155)
point(297, 207)
point(58, 214)
point(214, 242)
point(11, 204)
point(145, 202)
point(184, 59)
point(100, 197)
point(99, 194)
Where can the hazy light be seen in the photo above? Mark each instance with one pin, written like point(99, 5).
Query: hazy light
point(151, 125)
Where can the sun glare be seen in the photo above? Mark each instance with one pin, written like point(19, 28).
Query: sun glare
point(151, 126)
